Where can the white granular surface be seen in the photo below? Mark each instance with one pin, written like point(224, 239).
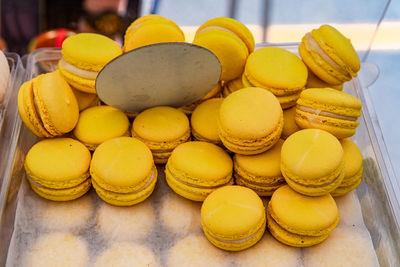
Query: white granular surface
point(349, 210)
point(58, 250)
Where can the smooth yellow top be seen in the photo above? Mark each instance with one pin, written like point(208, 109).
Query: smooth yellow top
point(353, 160)
point(329, 96)
point(58, 160)
point(303, 213)
point(204, 119)
point(55, 102)
point(232, 210)
point(89, 51)
point(276, 68)
point(100, 123)
point(122, 162)
point(250, 113)
point(266, 164)
point(289, 124)
point(204, 161)
point(311, 154)
point(234, 26)
point(341, 45)
point(161, 124)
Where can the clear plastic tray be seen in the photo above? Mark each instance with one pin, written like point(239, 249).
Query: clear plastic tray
point(377, 193)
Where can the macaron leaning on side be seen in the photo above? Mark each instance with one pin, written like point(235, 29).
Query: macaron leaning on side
point(47, 105)
point(83, 56)
point(58, 169)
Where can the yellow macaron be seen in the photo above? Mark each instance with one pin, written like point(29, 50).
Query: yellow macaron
point(277, 70)
point(232, 86)
point(289, 124)
point(330, 55)
point(83, 56)
point(233, 218)
point(204, 121)
point(330, 110)
point(230, 40)
point(123, 171)
point(100, 123)
point(85, 100)
point(161, 129)
point(250, 121)
point(312, 162)
point(213, 93)
point(151, 29)
point(47, 105)
point(314, 82)
point(353, 168)
point(58, 169)
point(261, 172)
point(195, 169)
point(301, 221)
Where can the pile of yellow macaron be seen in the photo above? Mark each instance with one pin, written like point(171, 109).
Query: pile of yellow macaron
point(268, 136)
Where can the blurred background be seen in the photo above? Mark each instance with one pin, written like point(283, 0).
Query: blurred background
point(372, 25)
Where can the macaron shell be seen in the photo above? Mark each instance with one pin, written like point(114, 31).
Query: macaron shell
point(122, 165)
point(100, 123)
point(352, 157)
point(66, 194)
point(234, 26)
point(229, 49)
point(204, 121)
point(277, 70)
point(342, 190)
point(201, 163)
point(69, 160)
point(79, 83)
point(338, 47)
point(56, 103)
point(311, 155)
point(321, 69)
point(126, 199)
point(85, 100)
point(89, 51)
point(303, 215)
point(289, 123)
point(292, 239)
point(153, 31)
point(314, 82)
point(27, 110)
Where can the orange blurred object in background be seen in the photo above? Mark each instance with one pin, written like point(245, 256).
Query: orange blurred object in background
point(51, 38)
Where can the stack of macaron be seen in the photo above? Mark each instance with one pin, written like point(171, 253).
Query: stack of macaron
point(270, 136)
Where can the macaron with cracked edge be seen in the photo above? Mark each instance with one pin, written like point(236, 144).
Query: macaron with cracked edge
point(289, 124)
point(100, 123)
point(330, 55)
point(47, 105)
point(126, 254)
point(230, 40)
point(232, 86)
point(278, 71)
point(57, 249)
point(353, 168)
point(83, 56)
point(261, 172)
point(195, 251)
point(233, 218)
point(312, 162)
point(195, 169)
point(58, 169)
point(345, 247)
point(151, 29)
point(314, 82)
point(330, 110)
point(162, 129)
point(123, 171)
point(301, 221)
point(214, 93)
point(204, 121)
point(250, 121)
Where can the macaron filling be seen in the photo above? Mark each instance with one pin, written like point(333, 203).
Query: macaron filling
point(312, 45)
point(318, 185)
point(87, 74)
point(325, 113)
